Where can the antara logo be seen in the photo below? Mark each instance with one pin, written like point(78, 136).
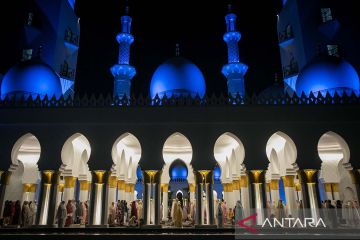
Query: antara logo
point(293, 223)
point(285, 222)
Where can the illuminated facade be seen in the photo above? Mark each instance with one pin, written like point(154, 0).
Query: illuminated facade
point(309, 29)
point(51, 34)
point(179, 144)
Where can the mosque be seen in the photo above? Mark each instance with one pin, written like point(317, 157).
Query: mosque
point(292, 143)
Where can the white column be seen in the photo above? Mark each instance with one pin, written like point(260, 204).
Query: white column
point(328, 190)
point(69, 188)
point(314, 208)
point(245, 195)
point(84, 190)
point(335, 190)
point(164, 190)
point(259, 203)
point(121, 190)
point(112, 182)
point(290, 195)
point(98, 203)
point(274, 188)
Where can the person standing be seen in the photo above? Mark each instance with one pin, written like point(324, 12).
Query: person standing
point(33, 210)
point(219, 216)
point(178, 215)
point(281, 211)
point(61, 215)
point(17, 214)
point(239, 213)
point(112, 213)
point(25, 214)
point(69, 218)
point(78, 212)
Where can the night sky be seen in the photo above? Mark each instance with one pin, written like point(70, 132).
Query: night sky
point(157, 27)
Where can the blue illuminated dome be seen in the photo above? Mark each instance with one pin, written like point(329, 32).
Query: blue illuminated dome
point(177, 76)
point(32, 77)
point(328, 74)
point(178, 170)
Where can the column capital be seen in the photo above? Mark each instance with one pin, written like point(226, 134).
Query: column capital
point(257, 175)
point(47, 176)
point(165, 187)
point(236, 185)
point(274, 184)
point(112, 181)
point(310, 175)
point(29, 187)
point(327, 187)
point(289, 180)
point(244, 181)
point(192, 187)
point(84, 185)
point(69, 181)
point(61, 187)
point(99, 176)
point(121, 184)
point(5, 177)
point(335, 187)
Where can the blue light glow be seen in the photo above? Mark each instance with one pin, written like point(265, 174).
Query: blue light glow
point(139, 173)
point(31, 78)
point(217, 173)
point(177, 76)
point(330, 74)
point(178, 170)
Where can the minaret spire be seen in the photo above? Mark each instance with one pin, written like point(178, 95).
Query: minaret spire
point(123, 72)
point(234, 70)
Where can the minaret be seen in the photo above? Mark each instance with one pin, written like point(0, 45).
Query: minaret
point(234, 71)
point(123, 72)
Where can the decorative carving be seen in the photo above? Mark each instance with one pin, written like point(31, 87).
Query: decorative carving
point(11, 101)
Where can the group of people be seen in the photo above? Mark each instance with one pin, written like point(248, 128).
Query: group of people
point(74, 212)
point(345, 213)
point(228, 216)
point(180, 213)
point(15, 214)
point(124, 215)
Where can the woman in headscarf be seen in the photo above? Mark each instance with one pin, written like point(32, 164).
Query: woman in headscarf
point(140, 211)
point(112, 213)
point(224, 210)
point(178, 215)
point(281, 211)
point(69, 210)
point(25, 214)
point(16, 218)
point(133, 210)
point(239, 212)
point(219, 216)
point(61, 215)
point(85, 212)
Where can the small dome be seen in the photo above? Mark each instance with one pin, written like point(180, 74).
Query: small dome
point(177, 76)
point(274, 91)
point(32, 77)
point(328, 74)
point(178, 170)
